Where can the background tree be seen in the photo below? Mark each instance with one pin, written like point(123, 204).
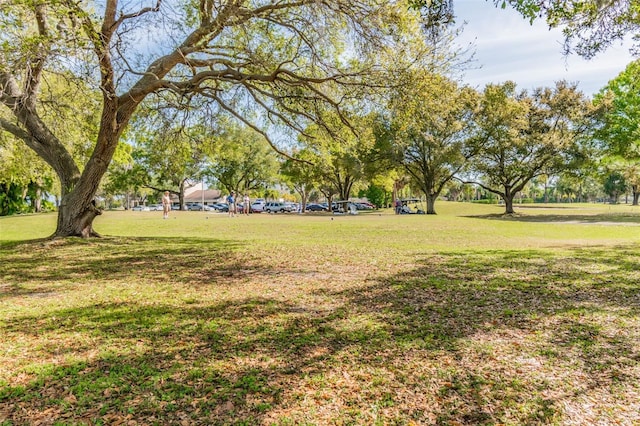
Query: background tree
point(626, 168)
point(341, 153)
point(275, 56)
point(500, 120)
point(382, 169)
point(614, 186)
point(325, 187)
point(380, 190)
point(299, 175)
point(241, 161)
point(631, 173)
point(584, 185)
point(24, 179)
point(125, 180)
point(619, 133)
point(433, 121)
point(522, 136)
point(172, 150)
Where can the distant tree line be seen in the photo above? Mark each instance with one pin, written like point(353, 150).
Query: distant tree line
point(326, 99)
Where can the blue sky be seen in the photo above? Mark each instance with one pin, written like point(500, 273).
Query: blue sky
point(509, 48)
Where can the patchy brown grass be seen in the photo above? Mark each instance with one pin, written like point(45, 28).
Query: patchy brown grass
point(245, 330)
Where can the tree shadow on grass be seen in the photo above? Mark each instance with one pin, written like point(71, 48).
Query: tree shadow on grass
point(44, 267)
point(462, 337)
point(577, 314)
point(605, 219)
point(511, 286)
point(224, 363)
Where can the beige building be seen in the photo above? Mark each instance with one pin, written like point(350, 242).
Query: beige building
point(210, 196)
point(197, 194)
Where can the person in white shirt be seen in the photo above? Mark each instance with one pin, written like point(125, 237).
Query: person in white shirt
point(246, 204)
point(166, 205)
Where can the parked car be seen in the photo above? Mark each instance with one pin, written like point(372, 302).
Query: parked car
point(140, 209)
point(316, 208)
point(276, 206)
point(220, 207)
point(363, 206)
point(155, 207)
point(258, 206)
point(293, 207)
point(198, 207)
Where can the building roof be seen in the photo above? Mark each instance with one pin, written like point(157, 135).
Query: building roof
point(209, 195)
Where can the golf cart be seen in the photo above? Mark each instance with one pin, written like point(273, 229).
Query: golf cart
point(411, 206)
point(345, 207)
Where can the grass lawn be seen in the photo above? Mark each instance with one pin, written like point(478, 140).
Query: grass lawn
point(466, 318)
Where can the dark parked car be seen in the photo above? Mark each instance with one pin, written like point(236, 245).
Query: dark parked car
point(364, 206)
point(220, 207)
point(316, 208)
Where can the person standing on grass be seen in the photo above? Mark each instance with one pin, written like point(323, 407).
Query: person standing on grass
point(231, 201)
point(246, 204)
point(166, 205)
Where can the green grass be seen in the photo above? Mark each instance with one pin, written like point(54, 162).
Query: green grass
point(466, 317)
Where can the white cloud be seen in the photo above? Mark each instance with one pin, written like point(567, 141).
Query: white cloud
point(509, 48)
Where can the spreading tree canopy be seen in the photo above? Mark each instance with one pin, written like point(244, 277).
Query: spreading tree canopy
point(432, 127)
point(521, 136)
point(276, 58)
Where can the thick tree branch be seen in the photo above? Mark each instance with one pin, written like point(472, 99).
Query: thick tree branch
point(143, 11)
point(36, 66)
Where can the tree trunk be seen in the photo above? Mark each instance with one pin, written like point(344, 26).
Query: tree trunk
point(636, 197)
point(345, 189)
point(431, 204)
point(546, 193)
point(76, 220)
point(304, 198)
point(77, 208)
point(181, 189)
point(397, 186)
point(508, 204)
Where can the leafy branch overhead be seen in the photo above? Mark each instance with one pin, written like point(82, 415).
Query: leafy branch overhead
point(261, 62)
point(590, 27)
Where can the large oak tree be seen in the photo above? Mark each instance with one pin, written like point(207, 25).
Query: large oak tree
point(521, 136)
point(433, 123)
point(277, 56)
